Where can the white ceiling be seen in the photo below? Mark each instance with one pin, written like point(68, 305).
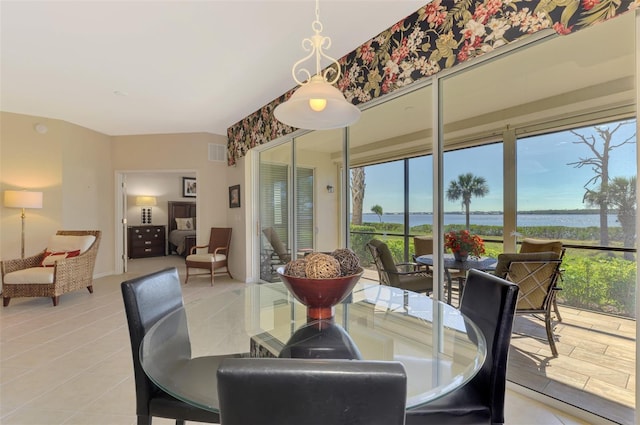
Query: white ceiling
point(185, 66)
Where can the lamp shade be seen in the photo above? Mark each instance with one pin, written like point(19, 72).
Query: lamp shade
point(307, 109)
point(146, 201)
point(22, 199)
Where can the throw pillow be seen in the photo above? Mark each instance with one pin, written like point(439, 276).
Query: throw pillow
point(184, 223)
point(50, 258)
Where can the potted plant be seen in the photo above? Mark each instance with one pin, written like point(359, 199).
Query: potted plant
point(462, 244)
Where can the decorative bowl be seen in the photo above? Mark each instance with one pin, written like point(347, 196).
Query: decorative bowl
point(320, 295)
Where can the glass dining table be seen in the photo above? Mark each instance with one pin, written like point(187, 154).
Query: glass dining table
point(438, 346)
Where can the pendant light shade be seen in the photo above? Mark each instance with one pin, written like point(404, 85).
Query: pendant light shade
point(317, 104)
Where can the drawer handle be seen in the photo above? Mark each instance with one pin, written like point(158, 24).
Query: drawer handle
point(147, 242)
point(147, 250)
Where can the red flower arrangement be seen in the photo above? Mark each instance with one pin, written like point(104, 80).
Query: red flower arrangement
point(464, 243)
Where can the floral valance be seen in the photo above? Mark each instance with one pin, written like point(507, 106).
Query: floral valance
point(438, 36)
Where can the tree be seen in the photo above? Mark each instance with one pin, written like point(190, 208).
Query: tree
point(357, 194)
point(621, 194)
point(599, 163)
point(377, 209)
point(464, 188)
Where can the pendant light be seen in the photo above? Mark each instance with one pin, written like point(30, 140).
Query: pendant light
point(317, 104)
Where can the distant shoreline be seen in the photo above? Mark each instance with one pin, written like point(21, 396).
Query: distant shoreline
point(531, 212)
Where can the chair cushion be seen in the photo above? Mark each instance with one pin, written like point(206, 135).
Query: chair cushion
point(63, 243)
point(36, 275)
point(50, 258)
point(206, 258)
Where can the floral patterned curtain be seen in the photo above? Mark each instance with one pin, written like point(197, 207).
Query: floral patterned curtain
point(438, 36)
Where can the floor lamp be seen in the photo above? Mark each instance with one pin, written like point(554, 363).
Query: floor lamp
point(22, 199)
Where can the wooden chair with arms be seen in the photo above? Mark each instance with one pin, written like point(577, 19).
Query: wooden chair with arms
point(217, 255)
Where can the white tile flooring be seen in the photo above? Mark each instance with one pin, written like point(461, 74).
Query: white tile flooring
point(72, 364)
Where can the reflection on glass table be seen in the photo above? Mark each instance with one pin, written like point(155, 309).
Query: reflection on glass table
point(439, 347)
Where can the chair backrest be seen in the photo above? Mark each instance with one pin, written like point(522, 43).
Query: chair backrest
point(423, 245)
point(92, 251)
point(147, 299)
point(535, 273)
point(220, 237)
point(382, 258)
point(311, 391)
point(529, 245)
point(490, 302)
point(278, 247)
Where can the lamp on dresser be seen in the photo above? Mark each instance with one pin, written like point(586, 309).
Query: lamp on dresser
point(22, 199)
point(148, 202)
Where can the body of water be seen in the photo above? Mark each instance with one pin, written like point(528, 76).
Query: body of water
point(524, 220)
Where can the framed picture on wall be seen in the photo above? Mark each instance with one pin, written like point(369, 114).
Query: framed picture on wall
point(188, 187)
point(234, 196)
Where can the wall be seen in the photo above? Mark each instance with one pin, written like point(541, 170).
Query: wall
point(184, 153)
point(241, 243)
point(71, 165)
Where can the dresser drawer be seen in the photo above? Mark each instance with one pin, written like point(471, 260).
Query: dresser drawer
point(146, 241)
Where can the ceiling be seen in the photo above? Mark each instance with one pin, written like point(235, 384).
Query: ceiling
point(152, 67)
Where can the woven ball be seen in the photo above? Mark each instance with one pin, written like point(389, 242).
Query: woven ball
point(349, 261)
point(322, 266)
point(296, 268)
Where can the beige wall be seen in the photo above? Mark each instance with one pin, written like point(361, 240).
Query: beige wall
point(189, 152)
point(71, 165)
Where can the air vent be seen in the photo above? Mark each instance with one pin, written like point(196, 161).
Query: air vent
point(217, 153)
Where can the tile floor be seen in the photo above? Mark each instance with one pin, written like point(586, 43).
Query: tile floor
point(72, 364)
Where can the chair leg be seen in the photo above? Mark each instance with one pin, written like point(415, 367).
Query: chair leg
point(555, 307)
point(5, 301)
point(549, 327)
point(144, 420)
point(229, 273)
point(186, 280)
point(212, 273)
point(55, 300)
point(90, 289)
point(179, 422)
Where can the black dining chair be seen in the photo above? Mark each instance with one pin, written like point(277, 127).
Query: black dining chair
point(490, 302)
point(261, 391)
point(147, 299)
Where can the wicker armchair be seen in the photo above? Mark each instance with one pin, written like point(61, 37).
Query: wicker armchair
point(66, 275)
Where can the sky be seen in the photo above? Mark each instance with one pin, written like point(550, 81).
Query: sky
point(545, 178)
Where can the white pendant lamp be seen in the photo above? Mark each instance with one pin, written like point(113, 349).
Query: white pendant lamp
point(317, 104)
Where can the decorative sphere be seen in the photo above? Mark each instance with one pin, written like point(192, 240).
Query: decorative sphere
point(349, 261)
point(322, 266)
point(296, 268)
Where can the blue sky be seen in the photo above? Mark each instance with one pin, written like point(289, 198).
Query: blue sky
point(545, 180)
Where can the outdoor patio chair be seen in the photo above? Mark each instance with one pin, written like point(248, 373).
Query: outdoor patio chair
point(280, 251)
point(401, 275)
point(217, 255)
point(529, 245)
point(536, 275)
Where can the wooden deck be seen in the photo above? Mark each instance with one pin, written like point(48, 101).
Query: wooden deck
point(596, 366)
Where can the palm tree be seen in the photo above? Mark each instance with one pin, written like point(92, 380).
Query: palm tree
point(464, 188)
point(621, 194)
point(377, 209)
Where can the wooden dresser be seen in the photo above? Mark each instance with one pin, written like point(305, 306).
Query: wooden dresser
point(147, 241)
